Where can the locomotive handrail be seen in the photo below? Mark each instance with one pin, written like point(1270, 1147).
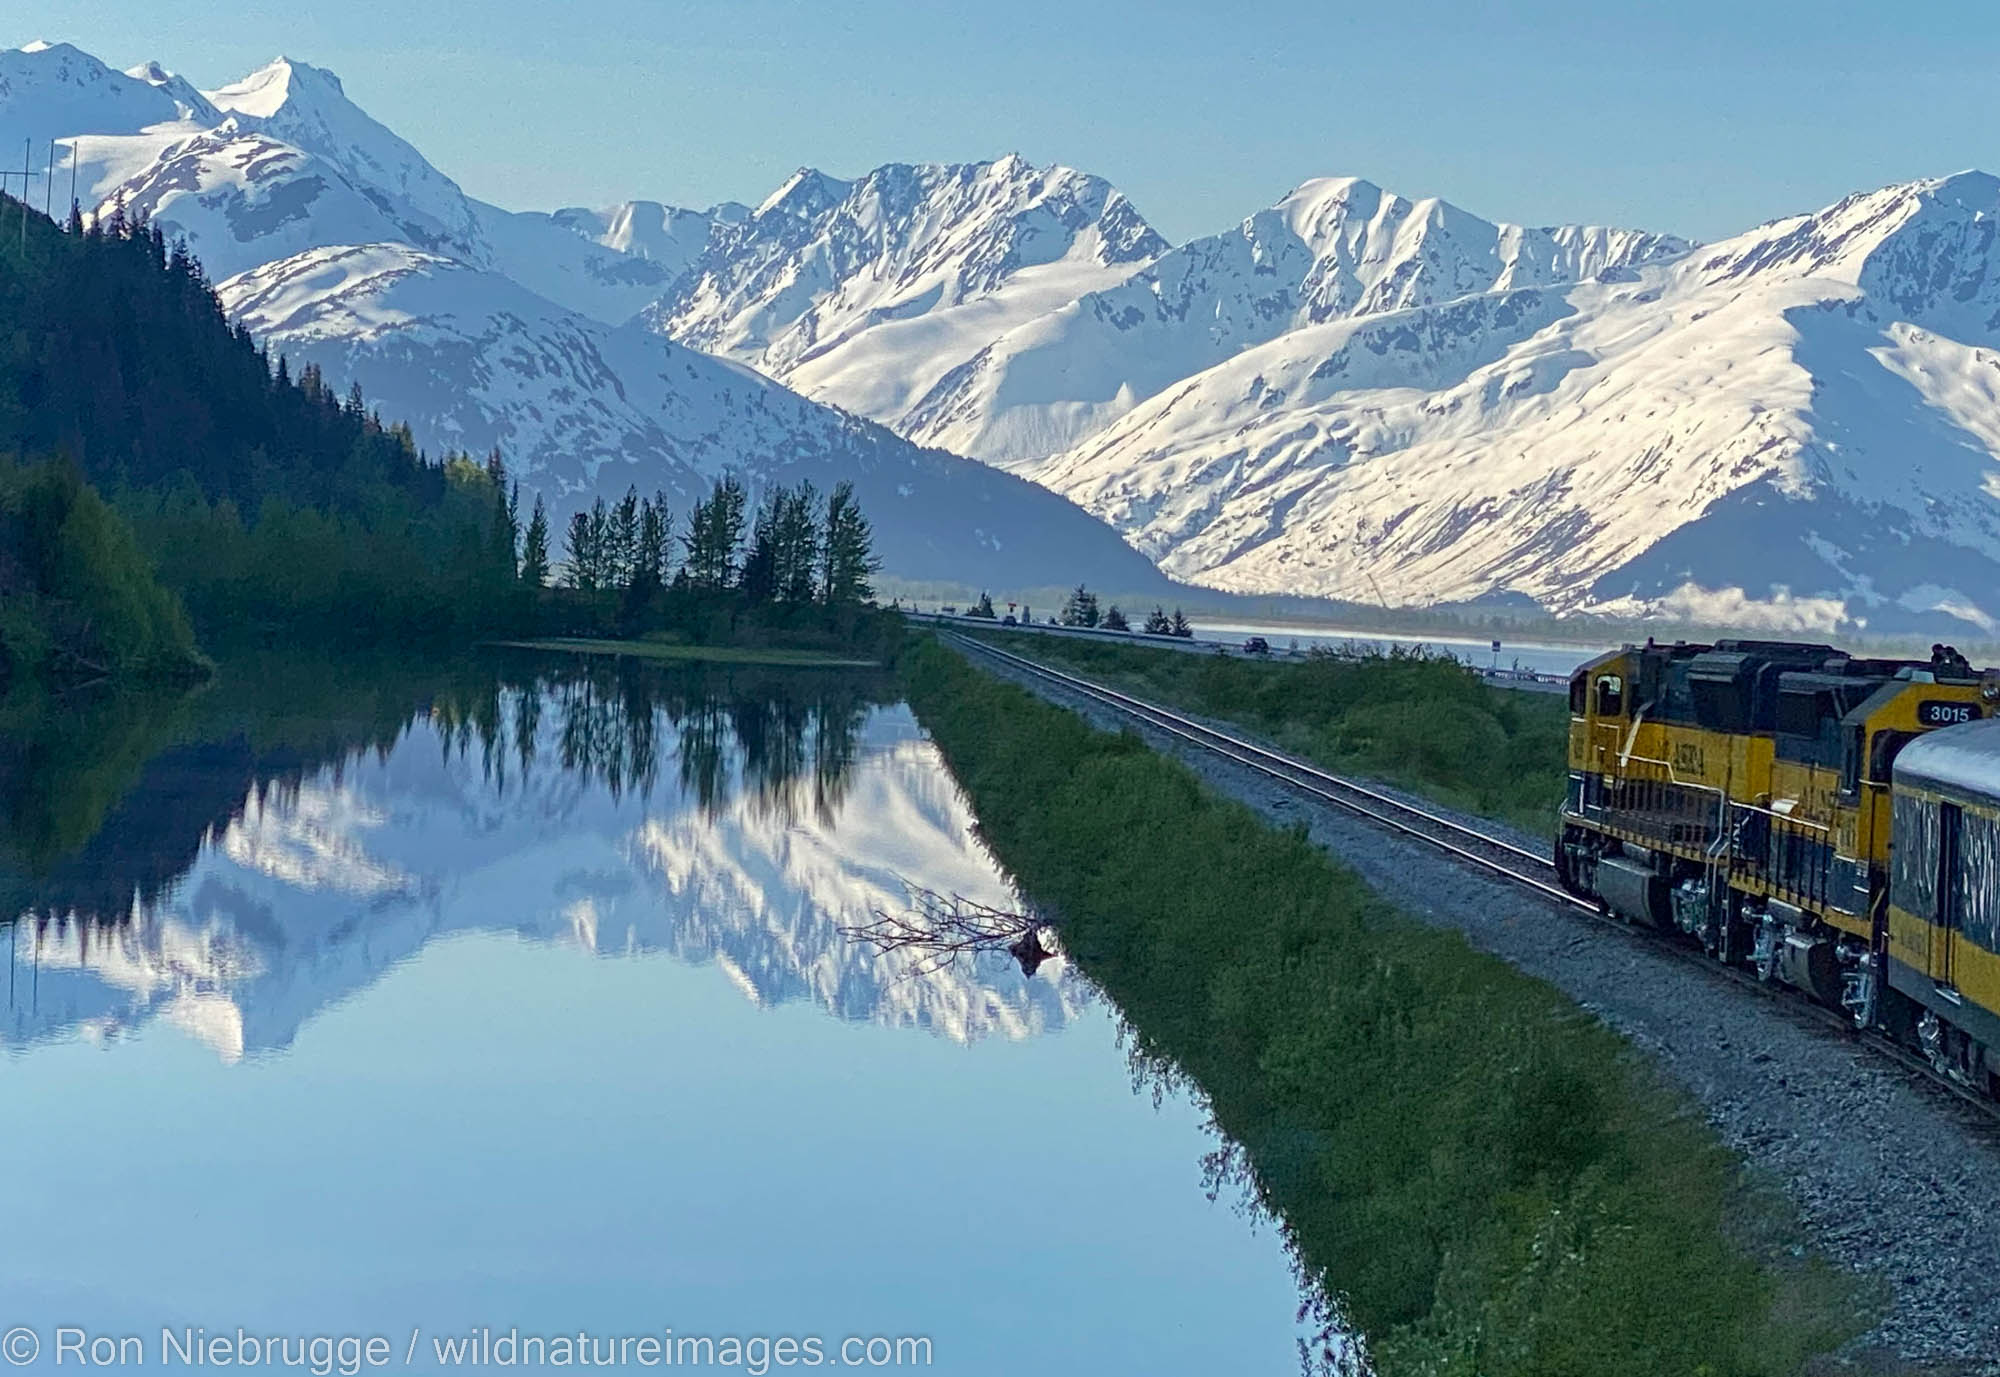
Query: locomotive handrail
point(1672, 777)
point(1784, 817)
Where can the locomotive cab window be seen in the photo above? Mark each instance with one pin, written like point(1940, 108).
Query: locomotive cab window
point(1883, 752)
point(1610, 696)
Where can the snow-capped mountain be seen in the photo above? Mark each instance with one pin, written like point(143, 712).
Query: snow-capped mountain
point(1351, 394)
point(281, 162)
point(866, 293)
point(1332, 249)
point(315, 888)
point(471, 359)
point(339, 244)
point(1793, 428)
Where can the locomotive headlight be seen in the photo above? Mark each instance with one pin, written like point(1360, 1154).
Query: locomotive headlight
point(1989, 688)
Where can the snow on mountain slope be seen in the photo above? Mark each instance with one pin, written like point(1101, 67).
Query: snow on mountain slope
point(471, 359)
point(191, 103)
point(281, 162)
point(1794, 428)
point(542, 254)
point(307, 107)
point(53, 90)
point(336, 241)
point(865, 293)
point(240, 197)
point(108, 126)
point(311, 893)
point(1333, 249)
point(667, 235)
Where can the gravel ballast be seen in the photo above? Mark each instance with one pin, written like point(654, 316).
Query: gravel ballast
point(1891, 1176)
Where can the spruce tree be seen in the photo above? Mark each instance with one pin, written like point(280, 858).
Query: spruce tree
point(1081, 608)
point(622, 555)
point(649, 563)
point(715, 531)
point(505, 535)
point(600, 547)
point(760, 562)
point(535, 547)
point(580, 554)
point(848, 553)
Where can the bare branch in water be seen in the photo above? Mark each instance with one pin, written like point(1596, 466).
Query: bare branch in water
point(941, 928)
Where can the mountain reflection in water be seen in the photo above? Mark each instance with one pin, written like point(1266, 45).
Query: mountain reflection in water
point(278, 848)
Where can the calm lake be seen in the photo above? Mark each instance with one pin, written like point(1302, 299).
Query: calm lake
point(513, 997)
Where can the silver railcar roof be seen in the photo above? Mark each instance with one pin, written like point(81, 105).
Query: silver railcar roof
point(1965, 757)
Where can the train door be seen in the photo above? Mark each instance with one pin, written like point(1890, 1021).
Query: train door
point(1951, 921)
point(1609, 705)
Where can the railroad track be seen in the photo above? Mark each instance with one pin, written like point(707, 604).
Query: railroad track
point(1482, 850)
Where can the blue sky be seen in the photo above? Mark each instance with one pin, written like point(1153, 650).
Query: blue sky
point(1697, 117)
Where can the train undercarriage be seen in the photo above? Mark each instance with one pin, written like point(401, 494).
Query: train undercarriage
point(1778, 941)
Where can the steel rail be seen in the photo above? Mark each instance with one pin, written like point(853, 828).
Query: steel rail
point(1260, 759)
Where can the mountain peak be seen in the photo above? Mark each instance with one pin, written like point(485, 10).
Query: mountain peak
point(806, 192)
point(1980, 189)
point(58, 89)
point(273, 86)
point(46, 52)
point(1901, 240)
point(193, 104)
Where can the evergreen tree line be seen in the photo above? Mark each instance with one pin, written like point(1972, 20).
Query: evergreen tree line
point(273, 507)
point(116, 355)
point(801, 549)
point(1081, 608)
point(267, 502)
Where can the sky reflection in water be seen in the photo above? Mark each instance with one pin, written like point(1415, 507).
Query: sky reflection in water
point(364, 1065)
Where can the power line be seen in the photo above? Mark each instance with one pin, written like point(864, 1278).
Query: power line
point(27, 169)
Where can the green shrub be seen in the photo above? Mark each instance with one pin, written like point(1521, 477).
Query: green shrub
point(78, 599)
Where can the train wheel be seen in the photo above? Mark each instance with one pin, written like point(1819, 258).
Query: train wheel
point(1764, 952)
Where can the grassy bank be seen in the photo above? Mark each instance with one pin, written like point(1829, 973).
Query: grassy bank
point(1425, 723)
point(1490, 1181)
point(646, 649)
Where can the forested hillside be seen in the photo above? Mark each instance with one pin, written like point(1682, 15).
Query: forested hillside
point(267, 503)
point(78, 600)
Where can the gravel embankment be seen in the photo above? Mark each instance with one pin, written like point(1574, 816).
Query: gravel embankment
point(1892, 1177)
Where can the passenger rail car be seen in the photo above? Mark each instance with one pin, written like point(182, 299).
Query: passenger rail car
point(1831, 822)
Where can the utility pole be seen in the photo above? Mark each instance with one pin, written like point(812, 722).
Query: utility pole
point(72, 175)
point(27, 170)
point(49, 186)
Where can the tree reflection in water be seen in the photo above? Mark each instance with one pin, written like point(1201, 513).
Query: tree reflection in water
point(108, 801)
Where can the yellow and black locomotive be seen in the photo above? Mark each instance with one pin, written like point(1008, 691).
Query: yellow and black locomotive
point(1830, 821)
